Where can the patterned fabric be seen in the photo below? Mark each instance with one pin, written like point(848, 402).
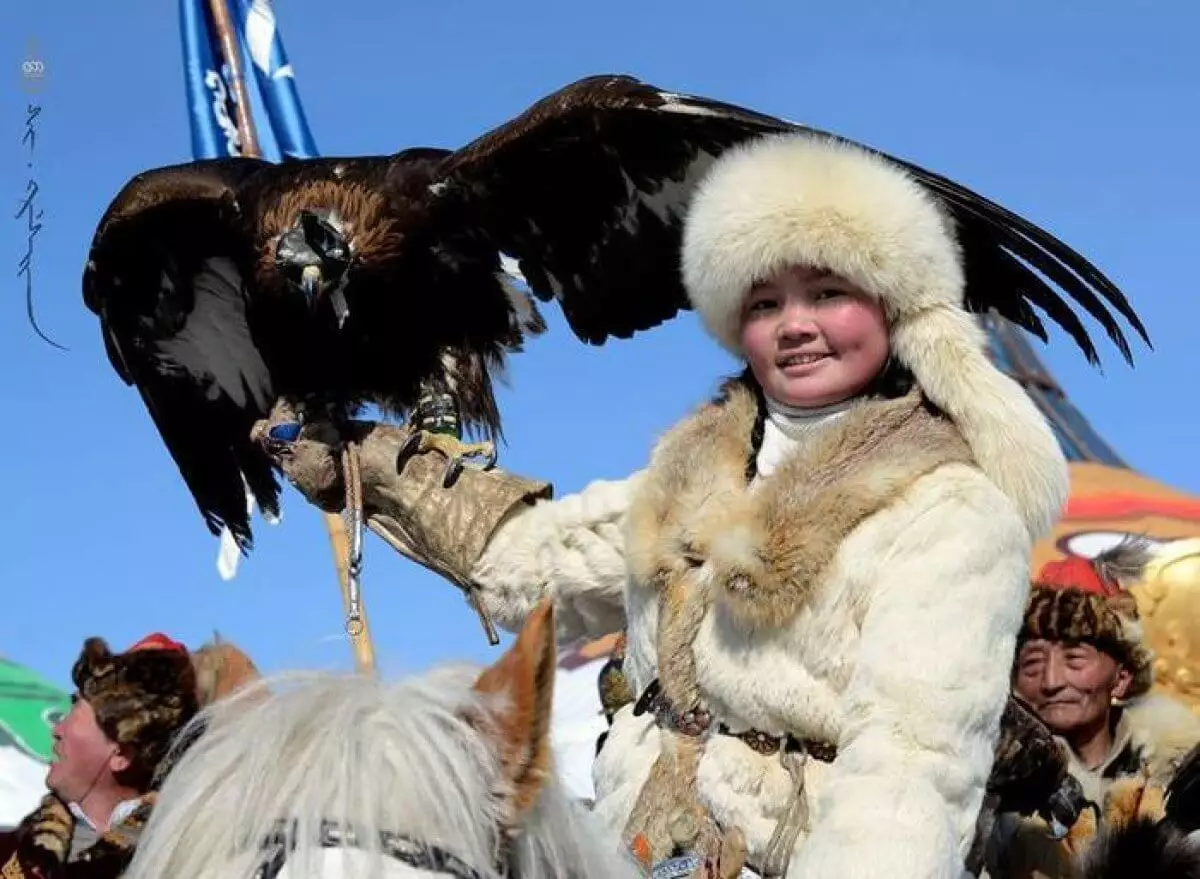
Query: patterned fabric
point(40, 847)
point(419, 855)
point(678, 868)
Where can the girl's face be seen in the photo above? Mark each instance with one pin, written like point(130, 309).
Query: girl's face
point(813, 338)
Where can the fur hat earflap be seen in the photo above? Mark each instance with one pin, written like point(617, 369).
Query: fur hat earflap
point(1079, 599)
point(805, 199)
point(141, 698)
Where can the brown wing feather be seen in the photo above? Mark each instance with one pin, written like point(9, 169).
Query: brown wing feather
point(1030, 764)
point(587, 189)
point(165, 278)
point(208, 182)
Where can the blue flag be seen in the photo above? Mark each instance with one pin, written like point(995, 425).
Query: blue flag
point(210, 101)
point(276, 81)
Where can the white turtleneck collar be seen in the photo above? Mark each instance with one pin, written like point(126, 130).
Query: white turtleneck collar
point(794, 420)
point(788, 426)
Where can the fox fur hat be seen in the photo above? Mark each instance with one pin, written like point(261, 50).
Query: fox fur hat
point(1087, 600)
point(804, 199)
point(141, 697)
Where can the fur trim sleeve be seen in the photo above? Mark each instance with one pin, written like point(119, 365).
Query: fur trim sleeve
point(573, 548)
point(922, 709)
point(1163, 731)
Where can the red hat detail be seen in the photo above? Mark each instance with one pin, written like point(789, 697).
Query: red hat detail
point(1075, 572)
point(158, 641)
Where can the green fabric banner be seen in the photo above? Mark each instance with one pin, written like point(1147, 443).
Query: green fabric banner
point(29, 708)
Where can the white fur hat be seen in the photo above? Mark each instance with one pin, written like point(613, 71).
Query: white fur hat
point(809, 200)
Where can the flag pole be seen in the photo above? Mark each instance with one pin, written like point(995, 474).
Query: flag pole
point(358, 629)
point(223, 23)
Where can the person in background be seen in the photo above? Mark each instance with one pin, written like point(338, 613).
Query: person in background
point(111, 751)
point(1082, 665)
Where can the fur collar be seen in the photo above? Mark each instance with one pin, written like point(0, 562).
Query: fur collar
point(698, 534)
point(1162, 730)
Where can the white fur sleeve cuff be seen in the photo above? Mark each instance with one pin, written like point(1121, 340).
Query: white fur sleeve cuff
point(572, 548)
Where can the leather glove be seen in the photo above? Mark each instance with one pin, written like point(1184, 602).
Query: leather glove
point(404, 501)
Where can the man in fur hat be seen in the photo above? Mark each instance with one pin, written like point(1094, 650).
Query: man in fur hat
point(109, 756)
point(1082, 665)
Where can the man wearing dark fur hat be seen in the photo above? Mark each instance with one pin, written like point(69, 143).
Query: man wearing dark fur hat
point(1082, 665)
point(109, 753)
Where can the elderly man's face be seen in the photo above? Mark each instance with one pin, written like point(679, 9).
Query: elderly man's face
point(1070, 685)
point(84, 757)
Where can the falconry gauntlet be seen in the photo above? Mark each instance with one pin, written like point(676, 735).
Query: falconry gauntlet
point(403, 497)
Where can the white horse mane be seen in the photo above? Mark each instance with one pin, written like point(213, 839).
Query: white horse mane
point(371, 755)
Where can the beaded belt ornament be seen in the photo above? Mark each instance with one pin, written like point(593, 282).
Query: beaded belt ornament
point(696, 721)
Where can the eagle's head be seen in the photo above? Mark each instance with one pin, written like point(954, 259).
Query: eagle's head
point(315, 258)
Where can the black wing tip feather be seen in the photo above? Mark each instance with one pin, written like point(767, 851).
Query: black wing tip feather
point(1076, 275)
point(242, 532)
point(1144, 848)
point(1042, 260)
point(1183, 792)
point(1050, 276)
point(222, 517)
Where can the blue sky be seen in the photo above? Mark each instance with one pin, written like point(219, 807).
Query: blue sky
point(1081, 116)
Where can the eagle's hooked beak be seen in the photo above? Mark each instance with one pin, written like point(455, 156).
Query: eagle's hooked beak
point(310, 283)
point(317, 248)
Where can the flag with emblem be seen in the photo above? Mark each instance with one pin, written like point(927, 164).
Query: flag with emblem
point(260, 34)
point(210, 101)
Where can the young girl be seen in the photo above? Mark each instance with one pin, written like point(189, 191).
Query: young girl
point(821, 574)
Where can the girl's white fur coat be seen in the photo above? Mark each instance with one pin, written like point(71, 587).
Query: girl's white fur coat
point(901, 658)
point(900, 650)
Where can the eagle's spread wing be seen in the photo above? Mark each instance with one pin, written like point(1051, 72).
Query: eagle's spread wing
point(163, 277)
point(1000, 248)
point(588, 188)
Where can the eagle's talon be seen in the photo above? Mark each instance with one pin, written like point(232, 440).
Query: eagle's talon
point(454, 469)
point(412, 446)
point(458, 454)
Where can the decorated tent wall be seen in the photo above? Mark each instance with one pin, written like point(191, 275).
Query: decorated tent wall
point(1108, 499)
point(1110, 503)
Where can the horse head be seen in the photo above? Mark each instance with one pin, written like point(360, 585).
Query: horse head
point(327, 776)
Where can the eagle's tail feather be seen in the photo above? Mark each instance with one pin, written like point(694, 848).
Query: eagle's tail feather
point(1143, 849)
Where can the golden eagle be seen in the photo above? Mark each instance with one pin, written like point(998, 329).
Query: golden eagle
point(225, 285)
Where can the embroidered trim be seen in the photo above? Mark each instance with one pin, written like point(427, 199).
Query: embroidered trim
point(687, 865)
point(419, 855)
